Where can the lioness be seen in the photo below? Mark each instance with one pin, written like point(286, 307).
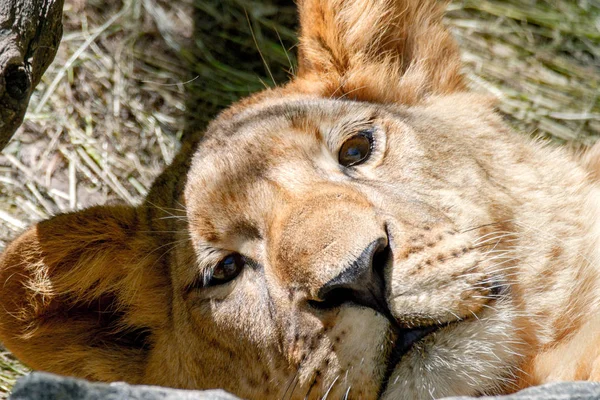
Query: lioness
point(369, 230)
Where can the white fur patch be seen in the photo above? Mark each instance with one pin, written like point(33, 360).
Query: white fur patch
point(467, 358)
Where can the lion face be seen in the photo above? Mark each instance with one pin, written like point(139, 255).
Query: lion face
point(371, 257)
point(369, 230)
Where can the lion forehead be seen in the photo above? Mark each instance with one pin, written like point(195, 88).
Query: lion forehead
point(241, 152)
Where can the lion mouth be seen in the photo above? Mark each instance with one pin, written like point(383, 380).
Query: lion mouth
point(405, 340)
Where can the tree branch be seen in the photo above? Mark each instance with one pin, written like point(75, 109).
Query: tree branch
point(30, 32)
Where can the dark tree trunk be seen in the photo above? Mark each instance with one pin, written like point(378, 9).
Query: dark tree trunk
point(30, 32)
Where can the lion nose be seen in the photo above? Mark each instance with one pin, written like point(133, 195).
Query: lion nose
point(360, 283)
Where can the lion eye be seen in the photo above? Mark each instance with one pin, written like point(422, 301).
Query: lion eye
point(356, 150)
point(226, 270)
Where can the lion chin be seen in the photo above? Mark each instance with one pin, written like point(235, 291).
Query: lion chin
point(370, 230)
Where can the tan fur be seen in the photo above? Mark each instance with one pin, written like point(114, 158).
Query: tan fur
point(493, 237)
point(591, 161)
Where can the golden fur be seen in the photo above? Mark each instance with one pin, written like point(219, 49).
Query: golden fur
point(491, 240)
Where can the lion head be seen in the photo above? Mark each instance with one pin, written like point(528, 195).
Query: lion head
point(369, 230)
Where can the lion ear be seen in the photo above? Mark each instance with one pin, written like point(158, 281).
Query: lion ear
point(389, 51)
point(81, 294)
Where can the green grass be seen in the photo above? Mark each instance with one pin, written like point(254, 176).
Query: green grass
point(10, 369)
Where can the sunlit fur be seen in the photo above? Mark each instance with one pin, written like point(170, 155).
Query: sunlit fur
point(493, 236)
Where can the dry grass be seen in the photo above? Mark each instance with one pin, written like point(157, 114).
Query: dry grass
point(541, 58)
point(131, 79)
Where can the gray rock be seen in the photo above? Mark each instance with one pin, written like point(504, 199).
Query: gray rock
point(44, 386)
point(550, 391)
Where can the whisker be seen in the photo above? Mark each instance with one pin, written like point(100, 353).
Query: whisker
point(165, 209)
point(483, 226)
point(492, 234)
point(310, 388)
point(347, 393)
point(329, 389)
point(293, 383)
point(179, 217)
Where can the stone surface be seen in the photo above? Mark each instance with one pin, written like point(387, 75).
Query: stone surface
point(550, 391)
point(44, 386)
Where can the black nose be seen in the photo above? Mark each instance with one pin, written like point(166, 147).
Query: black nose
point(361, 282)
